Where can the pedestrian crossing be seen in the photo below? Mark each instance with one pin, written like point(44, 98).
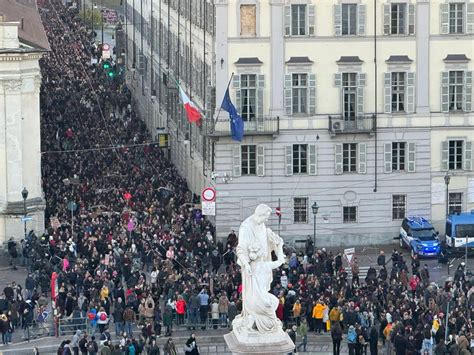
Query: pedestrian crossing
point(362, 272)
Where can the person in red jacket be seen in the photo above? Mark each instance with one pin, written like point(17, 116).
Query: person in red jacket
point(279, 310)
point(180, 309)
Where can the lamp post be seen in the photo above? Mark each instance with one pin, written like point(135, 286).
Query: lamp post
point(447, 179)
point(24, 194)
point(315, 209)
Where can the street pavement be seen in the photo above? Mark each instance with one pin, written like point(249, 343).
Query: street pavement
point(212, 341)
point(214, 344)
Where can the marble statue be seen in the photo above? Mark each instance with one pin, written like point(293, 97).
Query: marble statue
point(257, 330)
point(256, 243)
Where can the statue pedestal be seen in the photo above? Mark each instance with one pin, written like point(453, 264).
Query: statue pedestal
point(277, 343)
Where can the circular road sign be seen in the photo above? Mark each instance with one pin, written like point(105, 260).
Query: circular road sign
point(208, 194)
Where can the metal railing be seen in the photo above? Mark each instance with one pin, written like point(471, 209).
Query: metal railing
point(357, 124)
point(258, 126)
point(69, 326)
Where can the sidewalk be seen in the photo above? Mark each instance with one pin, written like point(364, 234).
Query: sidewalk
point(208, 344)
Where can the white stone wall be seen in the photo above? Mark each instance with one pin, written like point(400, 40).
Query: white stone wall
point(20, 149)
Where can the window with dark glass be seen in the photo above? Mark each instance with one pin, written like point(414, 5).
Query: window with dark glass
point(349, 157)
point(300, 158)
point(455, 154)
point(349, 214)
point(249, 159)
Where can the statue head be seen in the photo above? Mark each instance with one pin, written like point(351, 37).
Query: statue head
point(262, 213)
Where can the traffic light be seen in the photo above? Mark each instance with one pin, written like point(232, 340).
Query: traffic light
point(109, 69)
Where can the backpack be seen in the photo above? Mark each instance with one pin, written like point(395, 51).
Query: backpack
point(103, 316)
point(91, 315)
point(293, 262)
point(90, 347)
point(352, 337)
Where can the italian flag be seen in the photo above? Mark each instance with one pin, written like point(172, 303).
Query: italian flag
point(192, 112)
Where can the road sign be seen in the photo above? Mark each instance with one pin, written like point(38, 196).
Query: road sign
point(26, 218)
point(105, 47)
point(208, 194)
point(349, 254)
point(72, 206)
point(208, 208)
point(278, 211)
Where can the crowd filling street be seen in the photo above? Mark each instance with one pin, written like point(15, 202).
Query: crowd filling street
point(140, 261)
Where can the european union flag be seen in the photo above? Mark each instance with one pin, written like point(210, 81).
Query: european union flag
point(236, 122)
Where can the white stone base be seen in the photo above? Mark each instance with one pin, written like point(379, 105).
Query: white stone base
point(277, 343)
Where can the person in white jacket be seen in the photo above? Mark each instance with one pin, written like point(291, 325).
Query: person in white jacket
point(102, 319)
point(215, 313)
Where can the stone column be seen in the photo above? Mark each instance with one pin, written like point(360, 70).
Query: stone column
point(14, 138)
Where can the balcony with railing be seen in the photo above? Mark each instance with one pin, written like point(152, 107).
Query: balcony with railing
point(258, 127)
point(345, 125)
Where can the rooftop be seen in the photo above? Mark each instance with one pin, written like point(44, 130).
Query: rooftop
point(30, 29)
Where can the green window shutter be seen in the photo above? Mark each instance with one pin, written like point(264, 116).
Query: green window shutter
point(411, 157)
point(410, 97)
point(338, 20)
point(444, 155)
point(362, 150)
point(444, 17)
point(467, 102)
point(311, 20)
point(236, 160)
point(312, 158)
point(361, 18)
point(312, 94)
point(387, 158)
point(468, 155)
point(236, 85)
point(260, 160)
point(411, 19)
point(445, 91)
point(386, 19)
point(470, 18)
point(360, 93)
point(289, 160)
point(288, 95)
point(387, 90)
point(287, 20)
point(260, 103)
point(338, 79)
point(338, 159)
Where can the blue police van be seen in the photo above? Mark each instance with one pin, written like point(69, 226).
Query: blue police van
point(459, 231)
point(420, 236)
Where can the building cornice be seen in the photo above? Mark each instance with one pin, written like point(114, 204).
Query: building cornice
point(17, 57)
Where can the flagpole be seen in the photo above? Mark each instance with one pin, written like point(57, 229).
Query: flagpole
point(220, 107)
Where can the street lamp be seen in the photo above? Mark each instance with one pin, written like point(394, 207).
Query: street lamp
point(315, 209)
point(24, 194)
point(447, 179)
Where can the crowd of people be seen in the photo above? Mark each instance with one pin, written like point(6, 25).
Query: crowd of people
point(140, 259)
